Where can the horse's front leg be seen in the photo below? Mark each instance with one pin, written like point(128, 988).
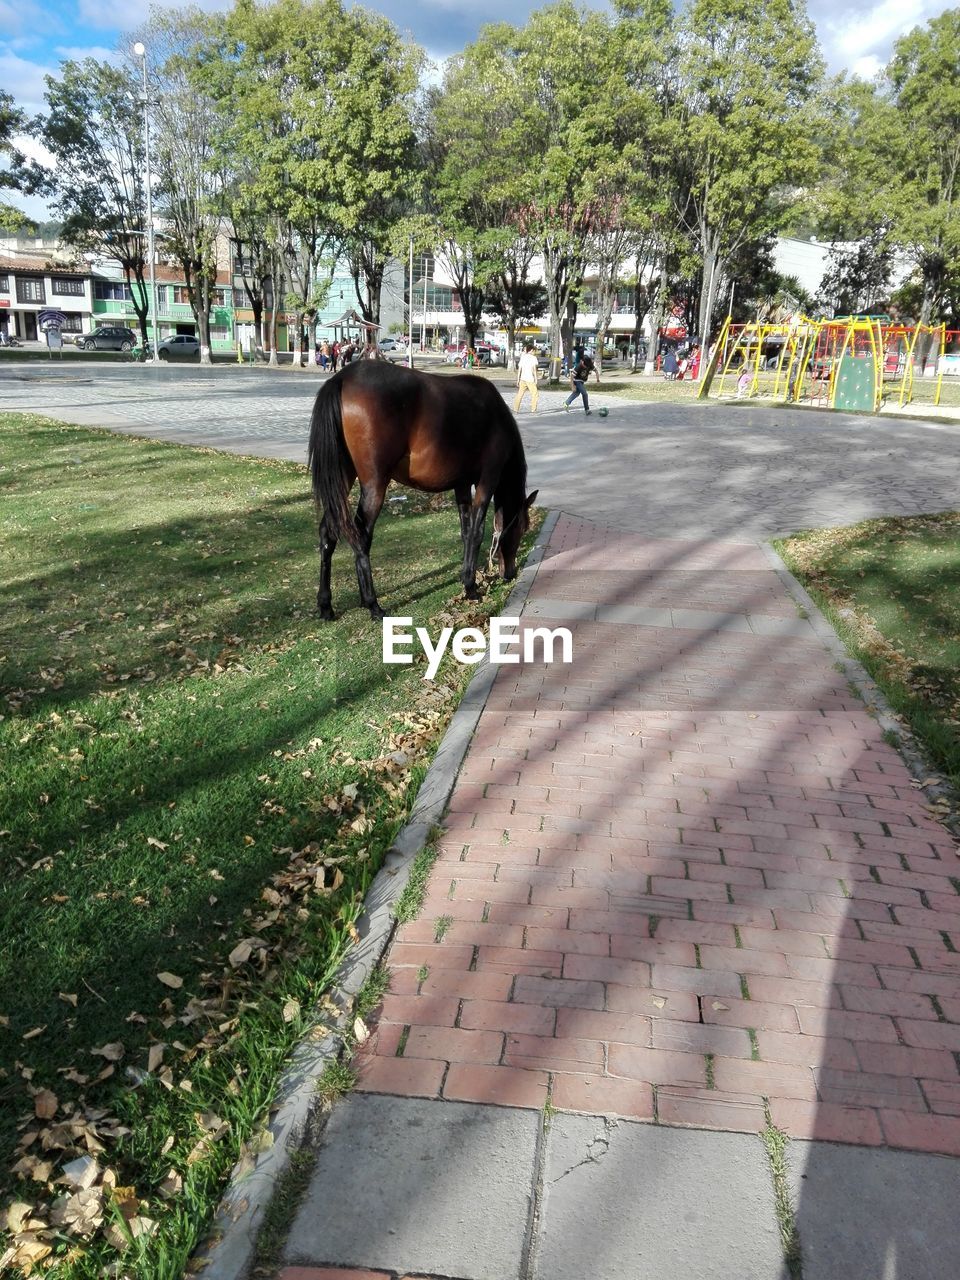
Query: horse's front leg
point(464, 505)
point(368, 508)
point(476, 522)
point(324, 598)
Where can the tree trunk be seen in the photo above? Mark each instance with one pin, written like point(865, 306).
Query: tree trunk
point(312, 362)
point(656, 320)
point(297, 338)
point(708, 294)
point(203, 325)
point(511, 342)
point(272, 337)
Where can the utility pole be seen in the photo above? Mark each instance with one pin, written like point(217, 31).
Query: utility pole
point(410, 311)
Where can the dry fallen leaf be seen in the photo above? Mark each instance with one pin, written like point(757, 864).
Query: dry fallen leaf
point(240, 954)
point(68, 998)
point(361, 1030)
point(112, 1052)
point(170, 980)
point(171, 1186)
point(659, 1001)
point(291, 1010)
point(45, 1104)
point(32, 1035)
point(157, 844)
point(155, 1056)
point(718, 1005)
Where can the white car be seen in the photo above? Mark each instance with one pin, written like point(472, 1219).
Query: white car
point(392, 348)
point(179, 347)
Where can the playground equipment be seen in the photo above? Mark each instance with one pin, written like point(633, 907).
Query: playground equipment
point(849, 363)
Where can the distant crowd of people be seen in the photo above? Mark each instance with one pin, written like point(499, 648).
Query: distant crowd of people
point(334, 355)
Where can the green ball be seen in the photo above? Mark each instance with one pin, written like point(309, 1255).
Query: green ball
point(603, 412)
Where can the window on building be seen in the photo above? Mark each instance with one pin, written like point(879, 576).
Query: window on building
point(30, 290)
point(440, 297)
point(181, 294)
point(111, 291)
point(240, 298)
point(219, 332)
point(4, 284)
point(67, 285)
point(72, 324)
point(220, 298)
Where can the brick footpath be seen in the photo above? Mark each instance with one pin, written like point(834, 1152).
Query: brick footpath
point(683, 880)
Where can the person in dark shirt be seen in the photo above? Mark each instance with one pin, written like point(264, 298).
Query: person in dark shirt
point(581, 371)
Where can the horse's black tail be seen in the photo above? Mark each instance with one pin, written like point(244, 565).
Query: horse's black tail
point(329, 462)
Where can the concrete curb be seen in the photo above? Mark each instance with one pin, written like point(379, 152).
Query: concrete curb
point(295, 1118)
point(873, 697)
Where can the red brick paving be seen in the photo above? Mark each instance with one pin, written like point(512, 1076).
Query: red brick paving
point(686, 880)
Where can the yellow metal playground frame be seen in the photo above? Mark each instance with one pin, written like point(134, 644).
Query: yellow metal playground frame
point(805, 341)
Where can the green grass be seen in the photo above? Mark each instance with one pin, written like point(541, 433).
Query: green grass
point(410, 902)
point(892, 589)
point(775, 1142)
point(199, 780)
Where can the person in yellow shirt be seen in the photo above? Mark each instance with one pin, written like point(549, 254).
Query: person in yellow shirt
point(527, 374)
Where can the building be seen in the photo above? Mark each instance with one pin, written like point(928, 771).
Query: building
point(113, 304)
point(35, 276)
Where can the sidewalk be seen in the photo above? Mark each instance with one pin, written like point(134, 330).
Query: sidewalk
point(685, 893)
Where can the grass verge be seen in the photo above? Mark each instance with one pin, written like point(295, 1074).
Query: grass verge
point(775, 1142)
point(891, 588)
point(199, 783)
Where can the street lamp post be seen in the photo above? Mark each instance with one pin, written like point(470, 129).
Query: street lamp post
point(141, 51)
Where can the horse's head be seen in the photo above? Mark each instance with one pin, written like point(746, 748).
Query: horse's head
point(509, 526)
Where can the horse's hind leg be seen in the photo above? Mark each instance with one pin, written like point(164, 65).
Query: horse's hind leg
point(324, 600)
point(368, 508)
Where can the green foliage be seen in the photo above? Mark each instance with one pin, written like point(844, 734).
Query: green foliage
point(749, 124)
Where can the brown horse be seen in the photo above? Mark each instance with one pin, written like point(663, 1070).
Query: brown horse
point(376, 422)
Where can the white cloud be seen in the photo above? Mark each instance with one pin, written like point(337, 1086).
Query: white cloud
point(78, 52)
point(861, 37)
point(23, 79)
point(25, 16)
point(867, 67)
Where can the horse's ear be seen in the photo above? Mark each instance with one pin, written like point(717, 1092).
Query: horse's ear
point(531, 498)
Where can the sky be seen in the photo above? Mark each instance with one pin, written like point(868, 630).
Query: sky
point(36, 35)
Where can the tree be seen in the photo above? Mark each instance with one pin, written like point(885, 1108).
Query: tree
point(12, 122)
point(748, 127)
point(189, 132)
point(94, 129)
point(317, 99)
point(858, 275)
point(924, 85)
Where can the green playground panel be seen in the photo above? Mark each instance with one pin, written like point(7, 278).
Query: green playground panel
point(856, 384)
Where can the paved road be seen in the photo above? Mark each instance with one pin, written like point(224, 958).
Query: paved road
point(686, 469)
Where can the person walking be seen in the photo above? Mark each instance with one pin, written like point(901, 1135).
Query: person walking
point(579, 376)
point(527, 374)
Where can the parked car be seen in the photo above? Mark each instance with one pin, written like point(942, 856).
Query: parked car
point(485, 353)
point(392, 348)
point(109, 337)
point(182, 346)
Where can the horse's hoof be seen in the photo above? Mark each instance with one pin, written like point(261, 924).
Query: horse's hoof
point(326, 615)
point(472, 593)
point(377, 614)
